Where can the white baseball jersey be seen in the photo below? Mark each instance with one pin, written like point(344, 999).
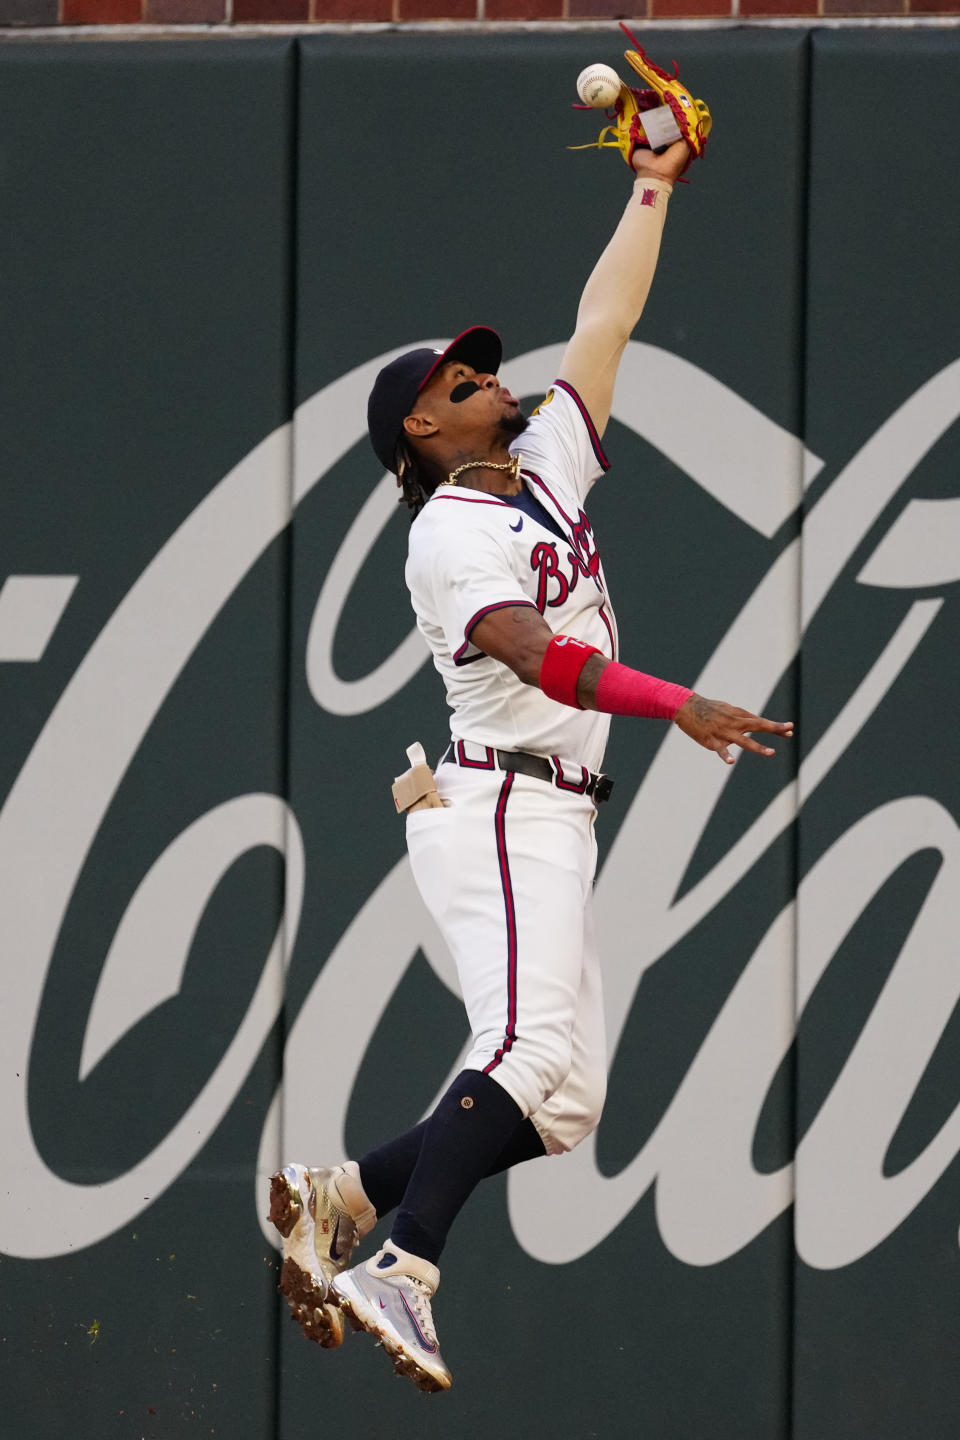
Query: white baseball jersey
point(472, 553)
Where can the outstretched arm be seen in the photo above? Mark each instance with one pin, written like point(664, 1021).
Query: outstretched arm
point(617, 289)
point(519, 637)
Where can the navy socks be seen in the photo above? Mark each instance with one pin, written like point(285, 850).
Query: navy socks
point(385, 1171)
point(476, 1130)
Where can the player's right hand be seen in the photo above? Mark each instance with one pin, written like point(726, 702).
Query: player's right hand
point(716, 725)
point(666, 166)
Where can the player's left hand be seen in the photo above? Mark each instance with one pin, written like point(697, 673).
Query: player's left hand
point(716, 725)
point(666, 166)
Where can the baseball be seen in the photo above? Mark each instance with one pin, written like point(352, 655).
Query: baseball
point(598, 85)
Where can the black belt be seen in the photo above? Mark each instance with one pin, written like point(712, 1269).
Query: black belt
point(598, 787)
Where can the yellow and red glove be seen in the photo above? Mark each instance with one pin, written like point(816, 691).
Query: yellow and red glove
point(625, 132)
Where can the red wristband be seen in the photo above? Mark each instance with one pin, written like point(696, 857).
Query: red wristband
point(560, 668)
point(622, 691)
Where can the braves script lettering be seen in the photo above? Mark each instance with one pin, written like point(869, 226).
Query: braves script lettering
point(553, 585)
point(711, 1201)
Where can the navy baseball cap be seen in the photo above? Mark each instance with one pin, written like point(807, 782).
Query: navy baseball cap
point(396, 388)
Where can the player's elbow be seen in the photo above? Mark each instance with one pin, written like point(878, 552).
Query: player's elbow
point(603, 336)
point(530, 652)
point(517, 636)
point(524, 657)
point(529, 671)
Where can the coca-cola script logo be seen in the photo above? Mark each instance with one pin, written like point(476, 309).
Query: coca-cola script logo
point(711, 1201)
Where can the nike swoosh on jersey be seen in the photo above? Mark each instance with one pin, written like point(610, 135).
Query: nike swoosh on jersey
point(519, 525)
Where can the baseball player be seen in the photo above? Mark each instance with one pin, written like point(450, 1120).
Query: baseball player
point(511, 597)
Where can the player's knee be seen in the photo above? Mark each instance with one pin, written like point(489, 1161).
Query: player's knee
point(583, 1118)
point(540, 1062)
point(594, 1098)
point(586, 1119)
point(553, 1061)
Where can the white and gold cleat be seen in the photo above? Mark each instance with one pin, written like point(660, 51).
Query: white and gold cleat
point(320, 1232)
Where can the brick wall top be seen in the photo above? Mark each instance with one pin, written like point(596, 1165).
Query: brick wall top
point(54, 15)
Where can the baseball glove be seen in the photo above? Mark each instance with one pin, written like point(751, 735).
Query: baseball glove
point(625, 132)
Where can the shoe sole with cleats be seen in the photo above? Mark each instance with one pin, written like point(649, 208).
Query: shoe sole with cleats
point(304, 1290)
point(361, 1315)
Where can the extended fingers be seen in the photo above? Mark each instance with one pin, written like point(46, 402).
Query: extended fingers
point(717, 725)
point(776, 727)
point(758, 722)
point(745, 743)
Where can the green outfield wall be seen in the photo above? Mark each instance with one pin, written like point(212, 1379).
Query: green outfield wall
point(213, 954)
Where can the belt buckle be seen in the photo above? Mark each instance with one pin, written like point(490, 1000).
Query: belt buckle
point(602, 789)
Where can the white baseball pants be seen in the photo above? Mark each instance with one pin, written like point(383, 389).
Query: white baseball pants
point(506, 870)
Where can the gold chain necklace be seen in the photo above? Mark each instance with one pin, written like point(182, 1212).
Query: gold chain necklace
point(512, 467)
